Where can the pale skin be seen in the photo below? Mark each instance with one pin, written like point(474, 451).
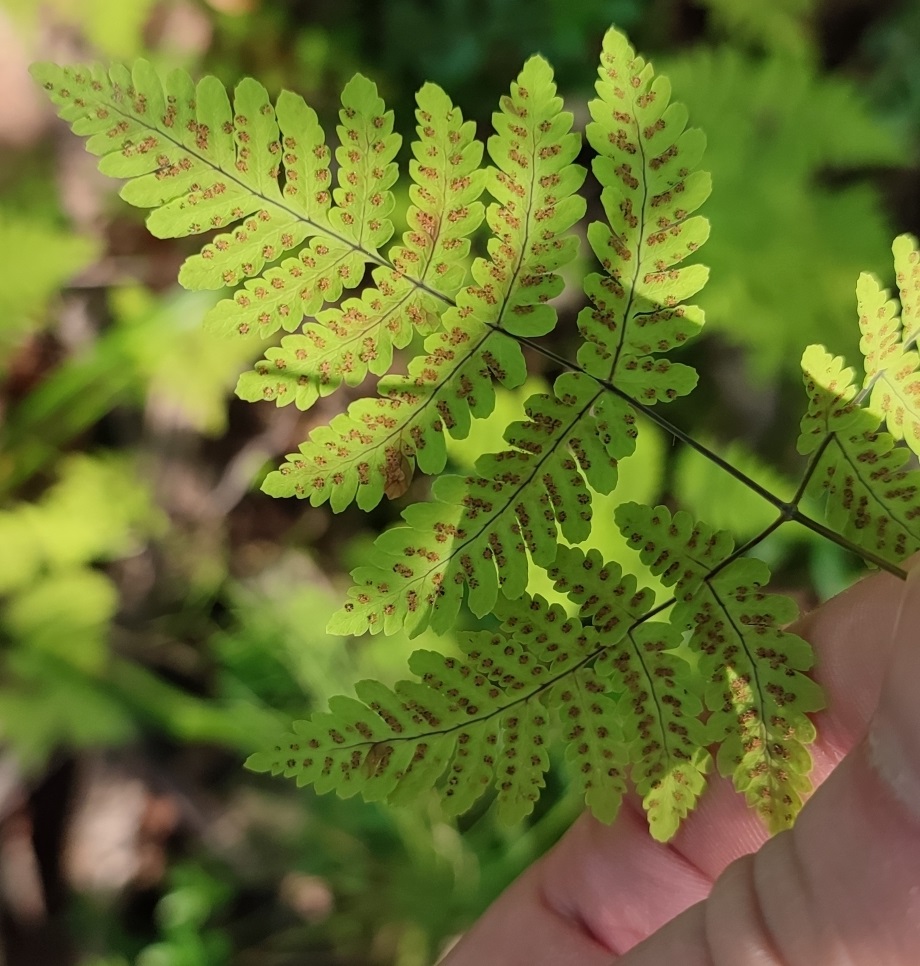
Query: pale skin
point(842, 888)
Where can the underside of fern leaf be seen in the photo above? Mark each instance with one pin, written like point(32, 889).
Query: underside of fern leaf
point(872, 497)
point(482, 532)
point(756, 692)
point(372, 449)
point(640, 694)
point(870, 488)
point(488, 717)
point(889, 344)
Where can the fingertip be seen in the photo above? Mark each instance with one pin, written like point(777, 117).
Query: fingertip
point(894, 734)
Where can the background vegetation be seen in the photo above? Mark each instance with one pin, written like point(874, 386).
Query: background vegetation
point(160, 618)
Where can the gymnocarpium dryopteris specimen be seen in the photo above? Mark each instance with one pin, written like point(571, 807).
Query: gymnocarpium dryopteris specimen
point(638, 691)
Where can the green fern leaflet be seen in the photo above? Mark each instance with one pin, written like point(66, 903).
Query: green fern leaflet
point(755, 689)
point(889, 344)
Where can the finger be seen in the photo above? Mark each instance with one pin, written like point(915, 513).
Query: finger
point(843, 886)
point(520, 929)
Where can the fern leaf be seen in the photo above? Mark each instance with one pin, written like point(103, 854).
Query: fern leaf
point(667, 741)
point(534, 182)
point(907, 269)
point(538, 490)
point(872, 497)
point(889, 344)
point(664, 739)
point(645, 163)
point(594, 740)
point(201, 163)
point(605, 596)
point(373, 449)
point(367, 146)
point(486, 718)
point(479, 531)
point(348, 341)
point(756, 692)
point(524, 760)
point(243, 253)
point(482, 719)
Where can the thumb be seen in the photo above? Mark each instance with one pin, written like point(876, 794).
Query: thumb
point(894, 737)
point(843, 886)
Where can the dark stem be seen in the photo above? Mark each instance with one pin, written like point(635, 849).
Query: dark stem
point(664, 423)
point(841, 541)
point(789, 511)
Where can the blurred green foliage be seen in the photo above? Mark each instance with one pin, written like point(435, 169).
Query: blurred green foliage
point(115, 30)
point(782, 28)
point(183, 916)
point(154, 605)
point(41, 257)
point(790, 153)
point(56, 609)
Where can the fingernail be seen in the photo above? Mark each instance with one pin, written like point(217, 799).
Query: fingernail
point(894, 734)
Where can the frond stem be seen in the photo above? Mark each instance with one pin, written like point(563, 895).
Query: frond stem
point(789, 511)
point(816, 527)
point(662, 421)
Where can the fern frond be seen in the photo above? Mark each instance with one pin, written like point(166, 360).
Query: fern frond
point(483, 717)
point(635, 699)
point(606, 681)
point(348, 341)
point(756, 692)
point(243, 253)
point(535, 184)
point(201, 163)
point(487, 717)
point(479, 531)
point(872, 497)
point(889, 344)
point(645, 162)
point(523, 499)
point(373, 448)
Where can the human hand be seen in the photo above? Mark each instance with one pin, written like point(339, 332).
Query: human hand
point(842, 888)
